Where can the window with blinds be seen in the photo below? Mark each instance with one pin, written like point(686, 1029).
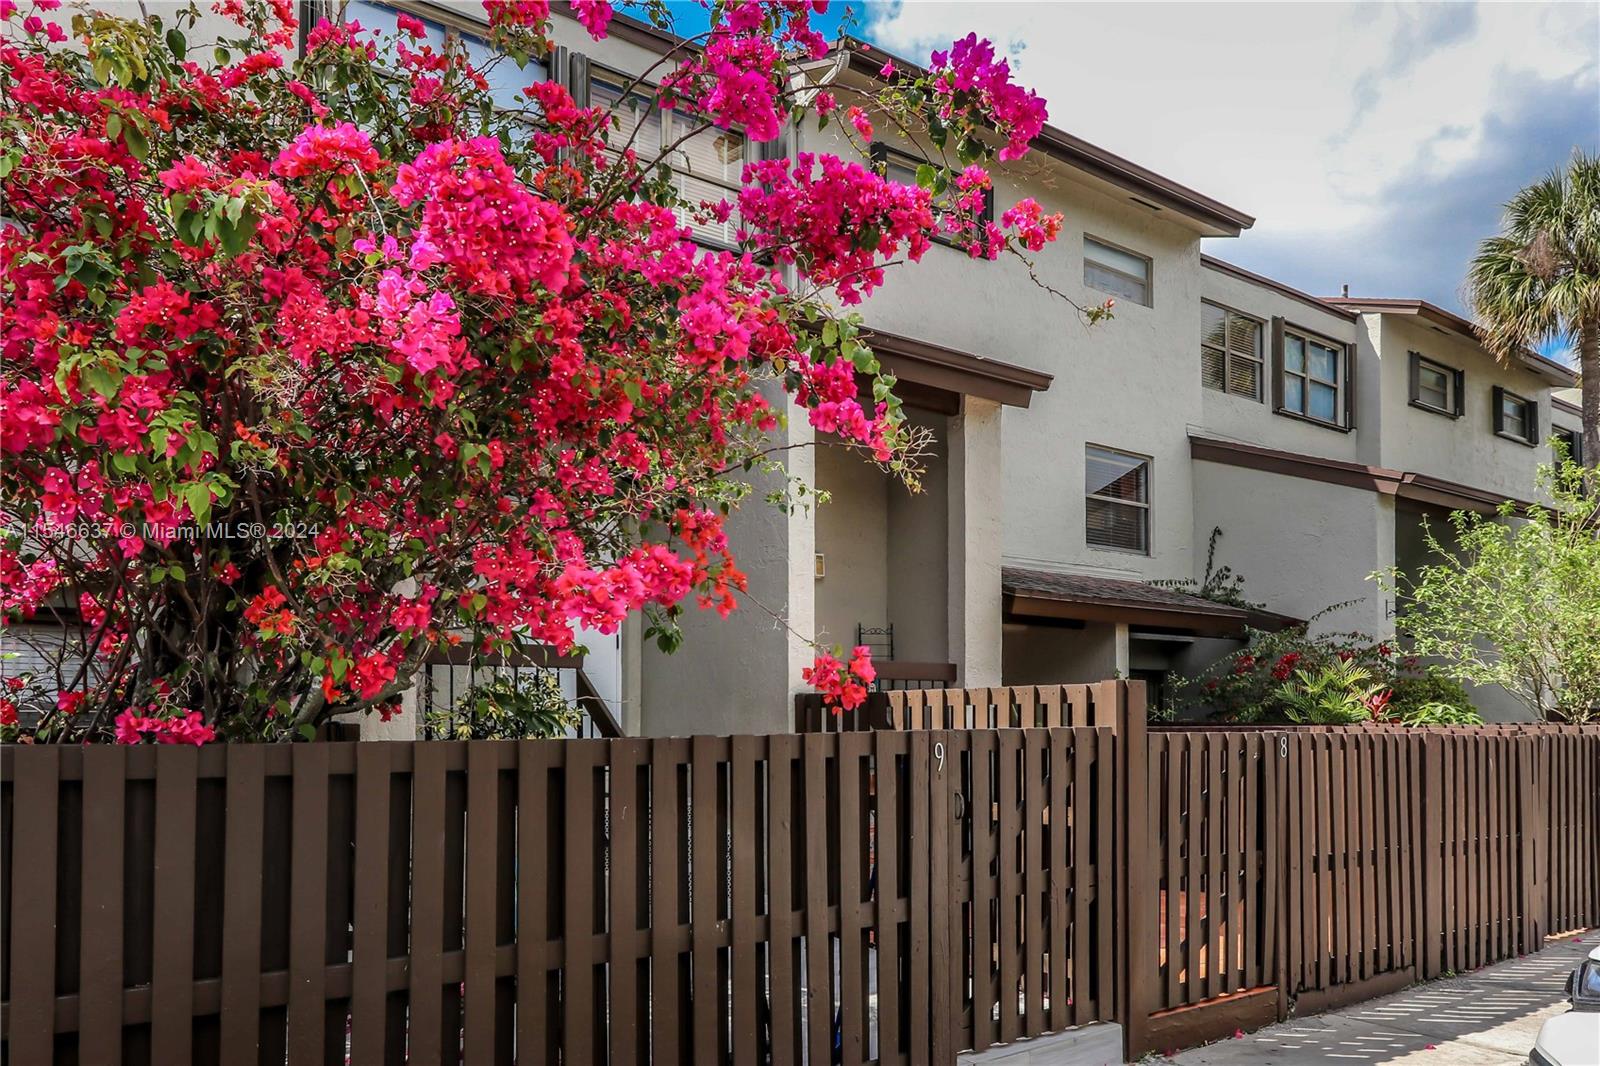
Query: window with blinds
point(1117, 500)
point(706, 164)
point(1121, 273)
point(1231, 351)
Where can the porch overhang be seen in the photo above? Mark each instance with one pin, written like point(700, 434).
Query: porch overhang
point(935, 377)
point(1046, 596)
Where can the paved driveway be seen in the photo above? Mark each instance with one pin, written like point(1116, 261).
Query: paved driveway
point(1486, 1018)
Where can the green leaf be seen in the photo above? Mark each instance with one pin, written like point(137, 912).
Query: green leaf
point(134, 138)
point(113, 127)
point(926, 175)
point(176, 44)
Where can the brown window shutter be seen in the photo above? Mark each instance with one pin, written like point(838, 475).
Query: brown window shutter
point(1350, 386)
point(576, 74)
point(879, 153)
point(1499, 399)
point(1277, 364)
point(1531, 407)
point(1414, 372)
point(1461, 392)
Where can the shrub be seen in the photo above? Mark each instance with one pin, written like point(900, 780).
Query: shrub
point(1329, 678)
point(1338, 693)
point(1410, 695)
point(509, 707)
point(1517, 603)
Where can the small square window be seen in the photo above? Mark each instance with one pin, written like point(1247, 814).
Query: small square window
point(1515, 417)
point(1117, 504)
point(1435, 387)
point(1121, 273)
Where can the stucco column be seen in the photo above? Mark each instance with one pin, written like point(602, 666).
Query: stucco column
point(975, 543)
point(739, 674)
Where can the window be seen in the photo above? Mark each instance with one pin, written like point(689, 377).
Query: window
point(706, 165)
point(1117, 508)
point(1436, 387)
point(506, 80)
point(900, 167)
point(1313, 378)
point(1120, 272)
point(1230, 351)
point(1573, 439)
point(1515, 417)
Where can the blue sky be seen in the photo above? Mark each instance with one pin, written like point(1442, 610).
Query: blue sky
point(1374, 143)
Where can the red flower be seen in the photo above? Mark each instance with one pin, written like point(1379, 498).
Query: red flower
point(1245, 664)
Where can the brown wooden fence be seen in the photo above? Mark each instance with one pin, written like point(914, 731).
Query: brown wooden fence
point(1274, 871)
point(984, 866)
point(705, 899)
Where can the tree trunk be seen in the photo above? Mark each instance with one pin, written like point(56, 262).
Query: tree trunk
point(1589, 368)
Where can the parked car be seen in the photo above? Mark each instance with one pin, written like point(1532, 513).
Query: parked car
point(1573, 1038)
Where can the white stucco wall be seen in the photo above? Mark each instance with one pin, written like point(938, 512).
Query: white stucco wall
point(1230, 417)
point(1132, 383)
point(1465, 449)
point(919, 535)
point(853, 539)
point(1301, 546)
point(1059, 655)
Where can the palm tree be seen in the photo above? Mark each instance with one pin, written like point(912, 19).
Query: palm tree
point(1540, 279)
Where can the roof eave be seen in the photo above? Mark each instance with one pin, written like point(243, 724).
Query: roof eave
point(1215, 218)
point(1548, 369)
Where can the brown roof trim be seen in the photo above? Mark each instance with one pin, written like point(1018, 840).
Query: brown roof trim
point(923, 363)
point(1222, 267)
point(1409, 485)
point(1160, 192)
point(625, 27)
point(1045, 595)
point(1549, 369)
point(1024, 608)
point(1566, 405)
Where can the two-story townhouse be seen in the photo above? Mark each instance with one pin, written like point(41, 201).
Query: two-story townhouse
point(1071, 468)
point(1313, 502)
point(1074, 471)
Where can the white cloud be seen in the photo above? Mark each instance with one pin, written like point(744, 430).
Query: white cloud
point(1308, 116)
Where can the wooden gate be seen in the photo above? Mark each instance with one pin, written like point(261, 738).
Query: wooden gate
point(1026, 942)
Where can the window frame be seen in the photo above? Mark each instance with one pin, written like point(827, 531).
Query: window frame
point(456, 25)
point(1530, 413)
point(1149, 280)
point(1455, 386)
point(1344, 399)
point(612, 77)
point(882, 156)
point(1145, 506)
point(1228, 354)
point(1573, 438)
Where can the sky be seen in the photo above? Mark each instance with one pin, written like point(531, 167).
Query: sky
point(1374, 143)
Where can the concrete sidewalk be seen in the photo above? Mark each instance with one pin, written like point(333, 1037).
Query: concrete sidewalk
point(1486, 1018)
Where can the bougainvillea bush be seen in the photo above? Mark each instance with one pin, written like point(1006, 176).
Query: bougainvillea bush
point(313, 364)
